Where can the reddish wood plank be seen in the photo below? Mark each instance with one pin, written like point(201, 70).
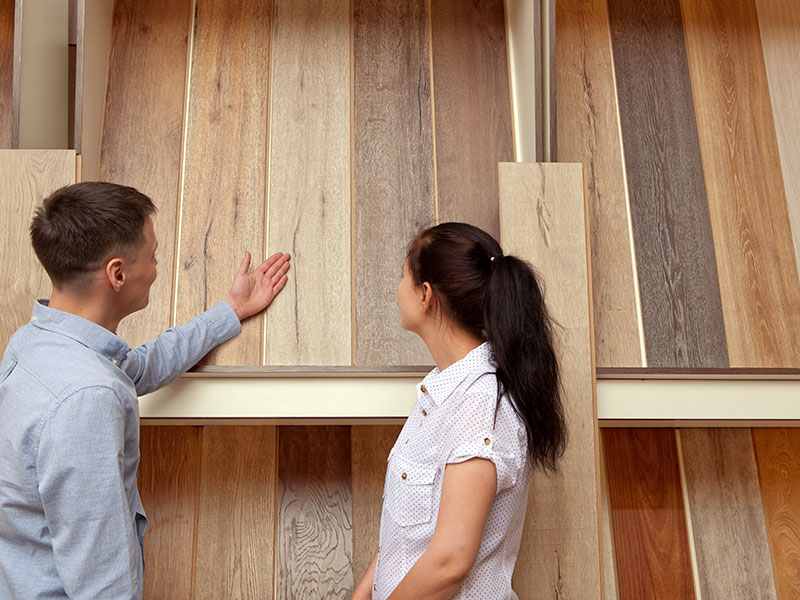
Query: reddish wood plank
point(6, 72)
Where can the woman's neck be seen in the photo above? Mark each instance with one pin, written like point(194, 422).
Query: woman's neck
point(449, 344)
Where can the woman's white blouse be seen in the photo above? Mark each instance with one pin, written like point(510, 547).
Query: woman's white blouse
point(456, 417)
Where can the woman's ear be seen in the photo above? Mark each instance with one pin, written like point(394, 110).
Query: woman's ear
point(115, 273)
point(428, 299)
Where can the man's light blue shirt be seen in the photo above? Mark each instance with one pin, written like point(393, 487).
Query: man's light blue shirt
point(71, 520)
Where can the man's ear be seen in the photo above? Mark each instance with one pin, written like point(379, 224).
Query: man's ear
point(115, 273)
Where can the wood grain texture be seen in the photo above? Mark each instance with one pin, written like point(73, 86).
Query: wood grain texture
point(142, 131)
point(757, 270)
point(6, 72)
point(650, 535)
point(544, 221)
point(778, 458)
point(393, 174)
point(370, 446)
point(610, 588)
point(779, 26)
point(588, 132)
point(678, 283)
point(169, 484)
point(309, 202)
point(236, 513)
point(28, 177)
point(314, 544)
point(472, 107)
point(225, 163)
point(730, 536)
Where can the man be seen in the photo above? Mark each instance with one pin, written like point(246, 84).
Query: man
point(71, 521)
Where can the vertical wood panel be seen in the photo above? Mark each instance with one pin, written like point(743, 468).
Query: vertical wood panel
point(169, 484)
point(6, 72)
point(779, 26)
point(370, 450)
point(142, 131)
point(678, 283)
point(727, 517)
point(225, 162)
point(588, 132)
point(393, 169)
point(314, 545)
point(778, 458)
point(236, 514)
point(756, 262)
point(28, 177)
point(650, 536)
point(544, 221)
point(610, 587)
point(472, 107)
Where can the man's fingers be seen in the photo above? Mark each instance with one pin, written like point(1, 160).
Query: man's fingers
point(281, 272)
point(279, 286)
point(244, 266)
point(274, 261)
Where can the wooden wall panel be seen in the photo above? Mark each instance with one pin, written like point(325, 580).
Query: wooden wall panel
point(730, 536)
point(309, 202)
point(779, 27)
point(142, 131)
point(472, 108)
point(650, 535)
point(588, 132)
point(28, 177)
point(610, 588)
point(370, 446)
point(236, 513)
point(778, 458)
point(6, 72)
point(169, 484)
point(393, 169)
point(544, 221)
point(681, 307)
point(315, 526)
point(224, 183)
point(756, 262)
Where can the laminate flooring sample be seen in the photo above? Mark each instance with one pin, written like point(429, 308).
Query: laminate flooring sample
point(6, 73)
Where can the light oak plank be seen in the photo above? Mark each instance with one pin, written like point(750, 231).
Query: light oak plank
point(28, 177)
point(730, 536)
point(314, 543)
point(544, 221)
point(225, 163)
point(747, 202)
point(236, 513)
point(142, 131)
point(309, 197)
point(6, 72)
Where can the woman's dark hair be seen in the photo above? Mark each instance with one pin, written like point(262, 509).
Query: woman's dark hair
point(79, 226)
point(498, 298)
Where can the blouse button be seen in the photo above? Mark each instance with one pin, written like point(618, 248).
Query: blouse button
point(423, 389)
point(404, 476)
point(424, 414)
point(487, 441)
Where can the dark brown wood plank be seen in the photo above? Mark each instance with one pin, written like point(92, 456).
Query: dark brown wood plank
point(142, 131)
point(472, 108)
point(6, 72)
point(681, 306)
point(647, 512)
point(778, 458)
point(169, 484)
point(314, 541)
point(393, 169)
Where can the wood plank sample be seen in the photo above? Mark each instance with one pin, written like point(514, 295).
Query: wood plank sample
point(314, 539)
point(370, 446)
point(544, 221)
point(650, 535)
point(236, 513)
point(142, 131)
point(225, 163)
point(727, 518)
point(6, 73)
point(588, 132)
point(393, 169)
point(678, 284)
point(755, 256)
point(169, 484)
point(610, 588)
point(779, 27)
point(472, 108)
point(778, 458)
point(28, 177)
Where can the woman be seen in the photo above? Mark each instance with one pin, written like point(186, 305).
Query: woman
point(487, 415)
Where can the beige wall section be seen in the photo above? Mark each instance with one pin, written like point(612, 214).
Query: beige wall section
point(44, 74)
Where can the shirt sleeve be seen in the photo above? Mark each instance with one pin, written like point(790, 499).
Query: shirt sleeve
point(80, 468)
point(166, 357)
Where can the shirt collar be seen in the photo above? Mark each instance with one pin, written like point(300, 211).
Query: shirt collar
point(91, 335)
point(441, 384)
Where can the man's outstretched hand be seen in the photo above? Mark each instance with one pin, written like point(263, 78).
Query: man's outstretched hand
point(252, 291)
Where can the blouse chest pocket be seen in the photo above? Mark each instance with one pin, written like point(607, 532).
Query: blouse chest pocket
point(409, 491)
